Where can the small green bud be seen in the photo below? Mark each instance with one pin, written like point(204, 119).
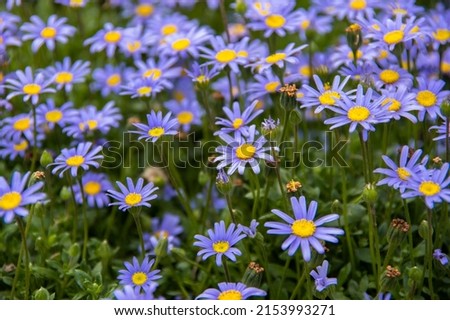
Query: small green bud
point(162, 246)
point(41, 294)
point(296, 117)
point(104, 250)
point(424, 229)
point(39, 209)
point(65, 193)
point(253, 275)
point(35, 177)
point(74, 250)
point(370, 194)
point(445, 107)
point(223, 182)
point(203, 178)
point(179, 252)
point(336, 207)
point(46, 159)
point(415, 273)
point(354, 37)
point(389, 278)
point(241, 7)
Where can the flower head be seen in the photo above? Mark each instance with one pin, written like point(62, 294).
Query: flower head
point(168, 228)
point(47, 113)
point(429, 96)
point(95, 186)
point(440, 256)
point(30, 86)
point(157, 126)
point(303, 231)
point(14, 197)
point(231, 291)
point(320, 277)
point(138, 275)
point(55, 30)
point(133, 196)
point(65, 74)
point(220, 243)
point(106, 39)
point(237, 122)
point(74, 158)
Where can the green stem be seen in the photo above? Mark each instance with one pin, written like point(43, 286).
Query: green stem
point(410, 238)
point(299, 284)
point(137, 219)
point(35, 147)
point(85, 221)
point(230, 87)
point(376, 241)
point(230, 208)
point(223, 14)
point(208, 109)
point(429, 255)
point(364, 156)
point(225, 269)
point(17, 272)
point(283, 277)
point(75, 215)
point(372, 248)
point(27, 256)
point(280, 182)
point(256, 199)
point(348, 234)
point(447, 133)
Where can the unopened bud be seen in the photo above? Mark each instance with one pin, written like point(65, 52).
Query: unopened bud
point(397, 230)
point(370, 194)
point(65, 193)
point(223, 182)
point(46, 159)
point(104, 250)
point(293, 186)
point(41, 294)
point(161, 247)
point(74, 250)
point(336, 206)
point(354, 37)
point(203, 178)
point(241, 6)
point(415, 273)
point(424, 229)
point(253, 275)
point(35, 177)
point(445, 107)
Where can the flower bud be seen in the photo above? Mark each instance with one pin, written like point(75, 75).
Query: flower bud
point(296, 117)
point(253, 275)
point(445, 107)
point(65, 193)
point(46, 159)
point(424, 229)
point(74, 250)
point(161, 247)
point(370, 194)
point(223, 182)
point(415, 273)
point(42, 294)
point(336, 207)
point(203, 178)
point(104, 250)
point(389, 278)
point(241, 7)
point(35, 177)
point(397, 230)
point(354, 37)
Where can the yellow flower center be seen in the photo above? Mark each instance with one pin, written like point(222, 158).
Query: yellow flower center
point(359, 54)
point(139, 278)
point(226, 55)
point(145, 90)
point(90, 124)
point(262, 8)
point(31, 88)
point(393, 37)
point(1, 38)
point(144, 10)
point(383, 54)
point(394, 104)
point(358, 113)
point(63, 77)
point(22, 124)
point(403, 173)
point(245, 151)
point(48, 33)
point(134, 46)
point(275, 21)
point(426, 98)
point(303, 228)
point(169, 29)
point(442, 35)
point(75, 161)
point(445, 67)
point(415, 29)
point(113, 80)
point(92, 188)
point(185, 117)
point(181, 44)
point(156, 132)
point(276, 57)
point(133, 199)
point(398, 11)
point(305, 71)
point(21, 146)
point(358, 4)
point(305, 24)
point(112, 36)
point(1, 73)
point(329, 98)
point(53, 116)
point(389, 76)
point(376, 27)
point(237, 123)
point(272, 86)
point(429, 188)
point(221, 246)
point(153, 73)
point(201, 78)
point(76, 3)
point(10, 200)
point(178, 95)
point(242, 54)
point(230, 295)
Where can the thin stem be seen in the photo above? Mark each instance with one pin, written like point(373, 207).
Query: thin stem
point(230, 208)
point(374, 225)
point(283, 277)
point(35, 147)
point(430, 252)
point(348, 235)
point(256, 199)
point(208, 109)
point(364, 155)
point(299, 284)
point(137, 220)
point(85, 221)
point(27, 257)
point(280, 182)
point(230, 86)
point(223, 14)
point(447, 133)
point(17, 272)
point(372, 248)
point(410, 239)
point(75, 216)
point(225, 269)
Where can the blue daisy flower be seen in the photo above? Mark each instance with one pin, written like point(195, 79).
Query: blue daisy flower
point(220, 243)
point(389, 33)
point(429, 96)
point(47, 113)
point(129, 293)
point(184, 44)
point(237, 121)
point(142, 87)
point(168, 228)
point(441, 130)
point(163, 70)
point(8, 38)
point(14, 197)
point(400, 102)
point(303, 231)
point(74, 158)
point(55, 30)
point(201, 74)
point(107, 39)
point(18, 127)
point(399, 176)
point(222, 55)
point(241, 151)
point(231, 291)
point(65, 74)
point(95, 186)
point(390, 76)
point(250, 231)
point(136, 41)
point(364, 111)
point(440, 256)
point(280, 58)
point(12, 149)
point(110, 79)
point(311, 21)
point(353, 9)
point(157, 126)
point(139, 276)
point(133, 196)
point(30, 86)
point(321, 279)
point(141, 12)
point(263, 85)
point(432, 185)
point(73, 3)
point(187, 113)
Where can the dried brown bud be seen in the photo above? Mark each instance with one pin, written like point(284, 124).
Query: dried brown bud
point(293, 186)
point(392, 272)
point(289, 89)
point(400, 225)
